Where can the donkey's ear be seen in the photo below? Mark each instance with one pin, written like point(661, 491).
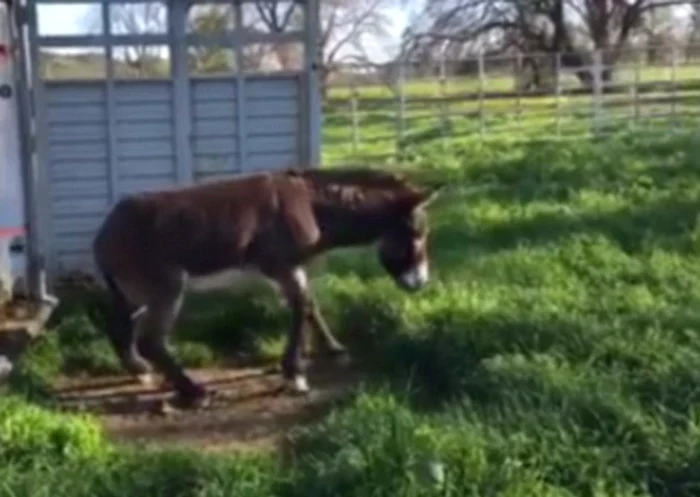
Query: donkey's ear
point(419, 199)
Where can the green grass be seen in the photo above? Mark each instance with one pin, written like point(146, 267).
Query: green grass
point(556, 352)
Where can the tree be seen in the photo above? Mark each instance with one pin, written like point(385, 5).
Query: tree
point(210, 59)
point(139, 18)
point(694, 31)
point(347, 27)
point(571, 27)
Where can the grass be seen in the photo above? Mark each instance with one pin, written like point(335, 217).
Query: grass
point(556, 352)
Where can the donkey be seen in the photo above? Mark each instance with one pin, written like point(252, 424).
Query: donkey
point(270, 223)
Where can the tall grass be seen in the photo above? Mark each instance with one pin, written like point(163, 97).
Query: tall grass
point(556, 352)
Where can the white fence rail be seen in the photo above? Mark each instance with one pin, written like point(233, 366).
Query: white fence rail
point(381, 111)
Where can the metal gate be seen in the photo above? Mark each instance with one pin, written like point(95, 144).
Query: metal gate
point(100, 138)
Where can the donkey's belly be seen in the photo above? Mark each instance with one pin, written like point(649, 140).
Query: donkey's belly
point(229, 279)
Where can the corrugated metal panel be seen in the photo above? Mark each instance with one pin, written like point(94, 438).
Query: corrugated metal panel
point(142, 92)
point(144, 148)
point(273, 107)
point(144, 130)
point(75, 261)
point(74, 242)
point(134, 112)
point(62, 190)
point(287, 125)
point(214, 89)
point(217, 145)
point(78, 151)
point(214, 109)
point(144, 184)
point(83, 224)
point(69, 133)
point(272, 123)
point(211, 127)
point(76, 170)
point(75, 113)
point(144, 141)
point(268, 161)
point(272, 87)
point(139, 166)
point(75, 93)
point(214, 127)
point(79, 206)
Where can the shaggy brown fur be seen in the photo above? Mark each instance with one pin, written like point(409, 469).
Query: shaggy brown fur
point(272, 223)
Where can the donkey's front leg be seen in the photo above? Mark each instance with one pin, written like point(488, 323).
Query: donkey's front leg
point(295, 289)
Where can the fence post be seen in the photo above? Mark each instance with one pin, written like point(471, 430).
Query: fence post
point(110, 107)
point(482, 84)
point(637, 75)
point(518, 94)
point(400, 76)
point(181, 100)
point(241, 100)
point(354, 104)
point(674, 81)
point(557, 91)
point(597, 89)
point(444, 118)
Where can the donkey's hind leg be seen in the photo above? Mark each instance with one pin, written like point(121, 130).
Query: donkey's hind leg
point(156, 325)
point(120, 331)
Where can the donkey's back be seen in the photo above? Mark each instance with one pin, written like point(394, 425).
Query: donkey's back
point(201, 229)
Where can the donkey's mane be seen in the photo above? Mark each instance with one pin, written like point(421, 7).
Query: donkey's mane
point(354, 186)
point(353, 176)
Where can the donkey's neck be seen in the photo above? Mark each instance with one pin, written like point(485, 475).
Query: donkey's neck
point(345, 224)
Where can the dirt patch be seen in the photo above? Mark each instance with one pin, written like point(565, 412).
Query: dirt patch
point(250, 409)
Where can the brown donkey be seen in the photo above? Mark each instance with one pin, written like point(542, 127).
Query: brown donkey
point(271, 223)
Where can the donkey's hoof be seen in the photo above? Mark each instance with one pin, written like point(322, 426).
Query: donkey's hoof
point(199, 399)
point(341, 358)
point(164, 408)
point(298, 385)
point(146, 380)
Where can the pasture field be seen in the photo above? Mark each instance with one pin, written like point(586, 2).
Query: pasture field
point(556, 352)
point(376, 121)
point(503, 81)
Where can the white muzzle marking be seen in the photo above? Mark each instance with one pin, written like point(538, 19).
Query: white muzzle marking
point(417, 277)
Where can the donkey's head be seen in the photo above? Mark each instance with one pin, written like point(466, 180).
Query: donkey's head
point(403, 247)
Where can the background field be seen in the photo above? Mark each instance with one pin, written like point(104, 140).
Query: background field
point(380, 113)
point(556, 352)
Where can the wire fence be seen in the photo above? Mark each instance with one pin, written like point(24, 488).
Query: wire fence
point(381, 111)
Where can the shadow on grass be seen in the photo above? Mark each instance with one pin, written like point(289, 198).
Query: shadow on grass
point(213, 328)
point(666, 223)
point(543, 170)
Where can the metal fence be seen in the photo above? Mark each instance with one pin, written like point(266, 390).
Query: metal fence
point(380, 111)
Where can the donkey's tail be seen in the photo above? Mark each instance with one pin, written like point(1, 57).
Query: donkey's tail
point(118, 298)
point(119, 311)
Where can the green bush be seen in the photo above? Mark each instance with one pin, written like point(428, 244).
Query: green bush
point(30, 434)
